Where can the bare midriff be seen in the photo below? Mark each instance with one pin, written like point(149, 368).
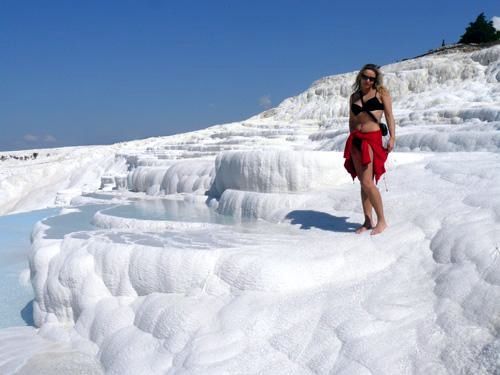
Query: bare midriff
point(365, 124)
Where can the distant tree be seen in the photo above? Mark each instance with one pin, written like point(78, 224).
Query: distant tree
point(480, 31)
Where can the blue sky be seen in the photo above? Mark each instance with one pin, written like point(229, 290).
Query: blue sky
point(100, 71)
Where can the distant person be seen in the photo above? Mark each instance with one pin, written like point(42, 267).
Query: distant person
point(364, 153)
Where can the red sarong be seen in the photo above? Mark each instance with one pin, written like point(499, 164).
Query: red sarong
point(372, 139)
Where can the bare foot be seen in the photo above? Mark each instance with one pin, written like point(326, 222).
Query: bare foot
point(379, 228)
point(363, 228)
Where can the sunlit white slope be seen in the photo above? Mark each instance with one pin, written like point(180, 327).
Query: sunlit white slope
point(303, 297)
point(56, 174)
point(415, 85)
point(448, 101)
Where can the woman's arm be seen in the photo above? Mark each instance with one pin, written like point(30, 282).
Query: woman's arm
point(387, 100)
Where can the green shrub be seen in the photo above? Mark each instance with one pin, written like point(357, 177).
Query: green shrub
point(480, 31)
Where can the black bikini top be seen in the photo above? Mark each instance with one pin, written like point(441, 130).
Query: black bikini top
point(372, 104)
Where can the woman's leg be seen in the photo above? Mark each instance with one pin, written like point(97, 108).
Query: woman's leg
point(369, 188)
point(367, 210)
point(365, 201)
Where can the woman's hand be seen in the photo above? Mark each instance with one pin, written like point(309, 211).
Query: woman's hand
point(390, 144)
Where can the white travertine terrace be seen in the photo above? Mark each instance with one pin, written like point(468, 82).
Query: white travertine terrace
point(286, 288)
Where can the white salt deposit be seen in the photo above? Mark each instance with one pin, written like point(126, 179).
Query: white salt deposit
point(131, 284)
point(277, 172)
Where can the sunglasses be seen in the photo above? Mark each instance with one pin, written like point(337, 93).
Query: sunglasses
point(367, 78)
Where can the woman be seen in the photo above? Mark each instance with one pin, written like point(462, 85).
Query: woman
point(364, 153)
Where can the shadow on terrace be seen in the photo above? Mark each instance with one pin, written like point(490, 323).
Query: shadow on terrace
point(308, 219)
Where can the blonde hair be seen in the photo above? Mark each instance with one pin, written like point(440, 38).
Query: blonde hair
point(378, 84)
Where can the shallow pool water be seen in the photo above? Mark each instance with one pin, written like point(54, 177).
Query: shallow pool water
point(169, 209)
point(79, 220)
point(15, 295)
